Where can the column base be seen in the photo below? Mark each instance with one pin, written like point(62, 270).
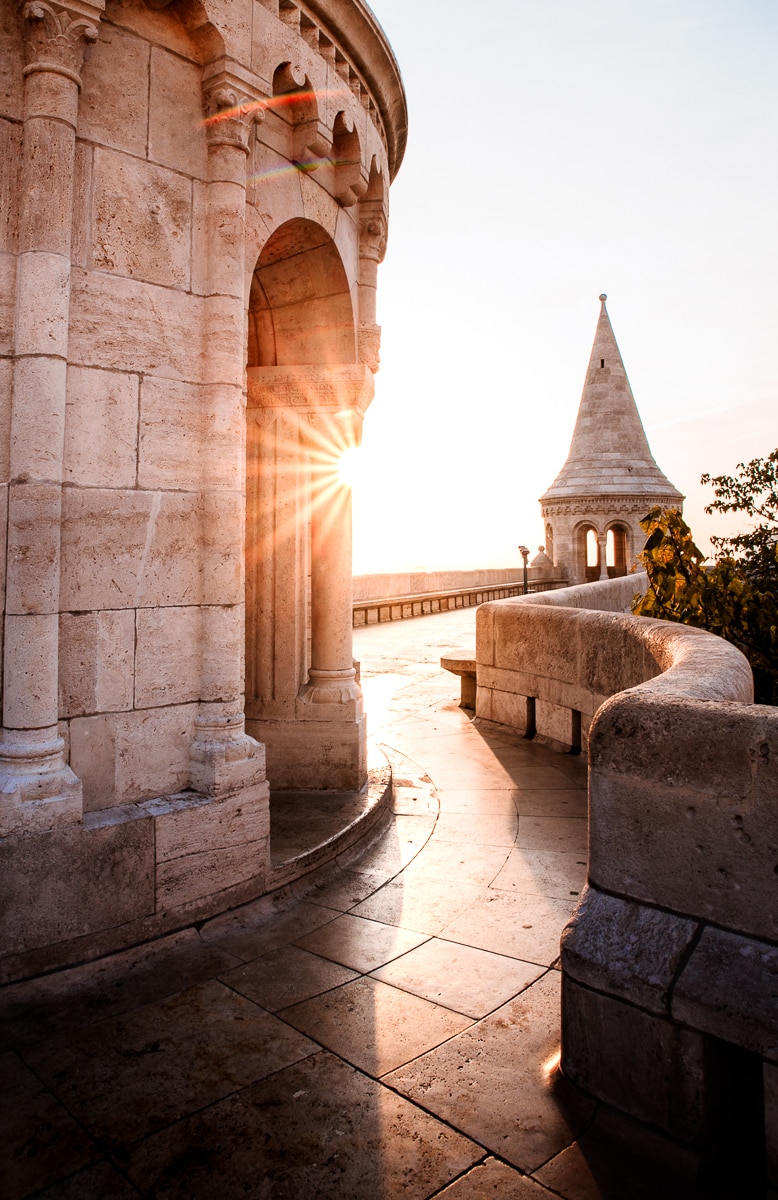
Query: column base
point(328, 753)
point(329, 688)
point(38, 790)
point(223, 758)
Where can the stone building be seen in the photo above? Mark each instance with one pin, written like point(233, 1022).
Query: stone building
point(592, 511)
point(194, 206)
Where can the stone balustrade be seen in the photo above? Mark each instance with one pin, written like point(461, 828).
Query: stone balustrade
point(396, 597)
point(670, 960)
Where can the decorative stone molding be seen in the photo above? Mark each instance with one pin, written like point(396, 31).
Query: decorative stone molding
point(317, 388)
point(231, 109)
point(223, 758)
point(369, 346)
point(580, 506)
point(55, 36)
point(372, 231)
point(331, 687)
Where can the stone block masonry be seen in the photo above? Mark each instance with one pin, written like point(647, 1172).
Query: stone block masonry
point(182, 190)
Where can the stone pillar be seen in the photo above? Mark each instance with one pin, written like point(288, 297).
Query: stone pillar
point(332, 678)
point(372, 248)
point(223, 758)
point(310, 717)
point(38, 791)
point(602, 554)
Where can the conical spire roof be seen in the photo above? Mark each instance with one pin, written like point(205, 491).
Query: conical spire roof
point(609, 454)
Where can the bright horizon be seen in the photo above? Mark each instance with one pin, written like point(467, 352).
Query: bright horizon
point(556, 152)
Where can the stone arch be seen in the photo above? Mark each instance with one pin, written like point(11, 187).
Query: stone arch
point(295, 105)
point(618, 538)
point(586, 557)
point(300, 309)
point(351, 179)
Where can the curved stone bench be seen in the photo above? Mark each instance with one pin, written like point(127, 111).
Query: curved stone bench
point(670, 962)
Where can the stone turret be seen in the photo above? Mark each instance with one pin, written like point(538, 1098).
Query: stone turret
point(610, 480)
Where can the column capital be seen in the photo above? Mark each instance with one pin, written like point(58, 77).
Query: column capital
point(233, 105)
point(56, 34)
point(373, 228)
point(369, 346)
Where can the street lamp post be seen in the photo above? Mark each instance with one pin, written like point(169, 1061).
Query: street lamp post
point(524, 552)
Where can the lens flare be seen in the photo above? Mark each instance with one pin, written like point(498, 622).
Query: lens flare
point(350, 466)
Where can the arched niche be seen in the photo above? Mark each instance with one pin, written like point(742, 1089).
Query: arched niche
point(586, 553)
point(617, 550)
point(300, 310)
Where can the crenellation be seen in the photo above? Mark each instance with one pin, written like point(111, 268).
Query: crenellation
point(290, 14)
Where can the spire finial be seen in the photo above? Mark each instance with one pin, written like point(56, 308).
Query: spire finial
point(603, 297)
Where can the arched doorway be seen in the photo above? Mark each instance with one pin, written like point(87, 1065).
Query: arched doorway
point(616, 550)
point(302, 380)
point(587, 554)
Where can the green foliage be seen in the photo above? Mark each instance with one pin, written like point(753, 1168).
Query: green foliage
point(736, 598)
point(753, 491)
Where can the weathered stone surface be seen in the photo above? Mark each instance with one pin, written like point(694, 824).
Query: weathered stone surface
point(640, 1063)
point(11, 67)
point(176, 87)
point(42, 329)
point(161, 328)
point(189, 435)
point(625, 949)
point(117, 546)
point(30, 691)
point(96, 662)
point(150, 754)
point(101, 428)
point(67, 883)
point(728, 988)
point(92, 755)
point(113, 109)
point(10, 147)
point(6, 382)
point(204, 850)
point(167, 659)
point(646, 780)
point(141, 220)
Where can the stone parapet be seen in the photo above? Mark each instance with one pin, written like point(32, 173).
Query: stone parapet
point(669, 961)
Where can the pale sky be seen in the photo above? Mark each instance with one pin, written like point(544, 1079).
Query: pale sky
point(557, 150)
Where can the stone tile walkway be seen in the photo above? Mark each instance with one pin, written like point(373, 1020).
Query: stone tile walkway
point(394, 1033)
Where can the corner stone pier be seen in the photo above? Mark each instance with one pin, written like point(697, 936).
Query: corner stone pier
point(670, 960)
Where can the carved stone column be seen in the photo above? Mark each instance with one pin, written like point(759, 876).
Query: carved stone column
point(38, 791)
point(372, 248)
point(332, 678)
point(602, 550)
point(223, 757)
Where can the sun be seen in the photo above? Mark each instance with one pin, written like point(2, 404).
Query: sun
point(350, 466)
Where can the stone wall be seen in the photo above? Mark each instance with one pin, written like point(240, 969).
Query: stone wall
point(416, 583)
point(669, 961)
point(185, 188)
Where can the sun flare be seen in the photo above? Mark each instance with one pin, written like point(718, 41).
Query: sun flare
point(350, 466)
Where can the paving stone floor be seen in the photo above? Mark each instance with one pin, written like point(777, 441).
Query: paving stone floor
point(392, 1034)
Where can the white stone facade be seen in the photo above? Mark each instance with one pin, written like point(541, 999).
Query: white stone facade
point(188, 190)
point(592, 511)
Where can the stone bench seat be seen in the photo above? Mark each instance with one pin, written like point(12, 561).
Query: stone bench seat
point(463, 665)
